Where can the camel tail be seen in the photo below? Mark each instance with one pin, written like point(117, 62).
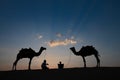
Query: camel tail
point(98, 55)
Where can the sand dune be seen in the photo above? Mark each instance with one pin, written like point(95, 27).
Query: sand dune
point(103, 73)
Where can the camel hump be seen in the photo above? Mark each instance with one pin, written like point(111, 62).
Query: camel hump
point(93, 49)
point(89, 46)
point(90, 49)
point(26, 50)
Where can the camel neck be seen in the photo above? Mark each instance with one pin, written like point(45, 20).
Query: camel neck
point(75, 52)
point(38, 53)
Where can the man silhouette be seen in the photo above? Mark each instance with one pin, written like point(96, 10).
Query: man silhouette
point(44, 65)
point(60, 65)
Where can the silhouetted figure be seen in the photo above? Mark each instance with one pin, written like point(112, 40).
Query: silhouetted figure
point(87, 51)
point(44, 65)
point(60, 65)
point(27, 53)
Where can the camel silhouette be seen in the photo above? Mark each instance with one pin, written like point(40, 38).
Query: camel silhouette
point(87, 51)
point(27, 53)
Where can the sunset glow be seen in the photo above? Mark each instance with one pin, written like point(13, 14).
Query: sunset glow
point(59, 25)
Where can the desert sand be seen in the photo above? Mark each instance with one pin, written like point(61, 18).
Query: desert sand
point(102, 73)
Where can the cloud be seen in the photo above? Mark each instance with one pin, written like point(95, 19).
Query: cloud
point(72, 37)
point(59, 35)
point(54, 43)
point(40, 36)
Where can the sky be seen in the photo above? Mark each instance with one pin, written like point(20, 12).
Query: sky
point(59, 25)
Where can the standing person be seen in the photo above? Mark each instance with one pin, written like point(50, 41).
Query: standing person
point(60, 65)
point(44, 65)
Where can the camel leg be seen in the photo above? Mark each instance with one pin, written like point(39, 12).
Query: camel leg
point(29, 63)
point(84, 61)
point(14, 64)
point(98, 61)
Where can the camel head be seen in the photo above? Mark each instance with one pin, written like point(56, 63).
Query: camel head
point(42, 48)
point(73, 49)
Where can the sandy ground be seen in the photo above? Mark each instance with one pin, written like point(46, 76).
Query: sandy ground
point(103, 73)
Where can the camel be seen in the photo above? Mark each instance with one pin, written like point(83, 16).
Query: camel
point(87, 51)
point(27, 53)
